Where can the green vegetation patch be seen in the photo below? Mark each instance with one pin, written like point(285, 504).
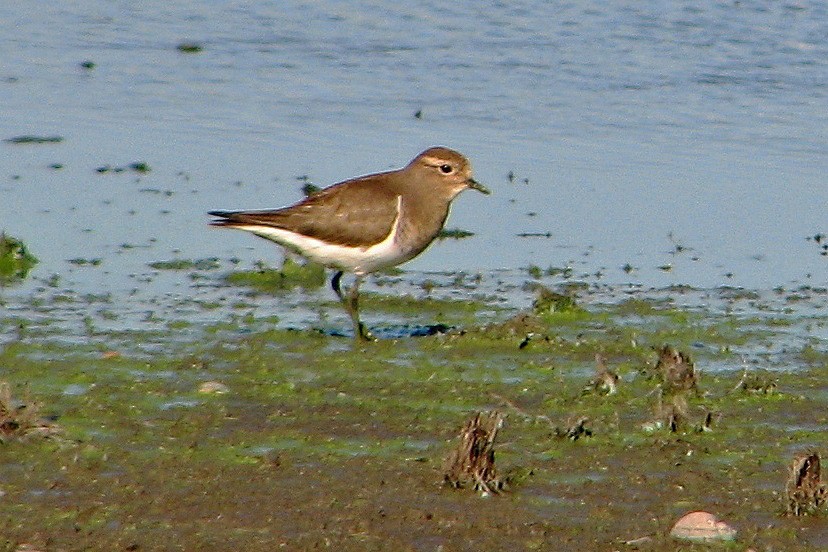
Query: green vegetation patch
point(291, 275)
point(189, 47)
point(32, 139)
point(186, 264)
point(344, 444)
point(15, 260)
point(454, 234)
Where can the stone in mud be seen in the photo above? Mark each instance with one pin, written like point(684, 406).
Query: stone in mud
point(702, 527)
point(213, 388)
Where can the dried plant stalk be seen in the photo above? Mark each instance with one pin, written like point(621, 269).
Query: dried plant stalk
point(473, 460)
point(605, 380)
point(805, 491)
point(574, 430)
point(677, 370)
point(21, 419)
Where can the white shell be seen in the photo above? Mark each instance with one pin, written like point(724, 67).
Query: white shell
point(702, 527)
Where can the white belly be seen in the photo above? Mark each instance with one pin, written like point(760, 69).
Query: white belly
point(359, 260)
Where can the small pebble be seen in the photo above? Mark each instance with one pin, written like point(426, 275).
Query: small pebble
point(213, 387)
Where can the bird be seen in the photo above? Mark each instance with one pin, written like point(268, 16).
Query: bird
point(367, 223)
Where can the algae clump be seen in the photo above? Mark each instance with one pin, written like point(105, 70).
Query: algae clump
point(292, 274)
point(15, 260)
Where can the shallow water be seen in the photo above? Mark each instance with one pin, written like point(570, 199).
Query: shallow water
point(688, 137)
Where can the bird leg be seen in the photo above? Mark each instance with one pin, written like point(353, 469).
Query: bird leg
point(351, 304)
point(335, 285)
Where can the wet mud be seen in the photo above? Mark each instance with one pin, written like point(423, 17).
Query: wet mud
point(246, 434)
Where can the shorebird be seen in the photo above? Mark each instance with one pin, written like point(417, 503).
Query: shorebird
point(367, 223)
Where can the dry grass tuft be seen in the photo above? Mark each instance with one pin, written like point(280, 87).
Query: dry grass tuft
point(804, 490)
point(472, 461)
point(21, 419)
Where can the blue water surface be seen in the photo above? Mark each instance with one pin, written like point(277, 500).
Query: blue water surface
point(655, 143)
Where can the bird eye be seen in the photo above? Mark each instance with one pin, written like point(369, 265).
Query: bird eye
point(446, 169)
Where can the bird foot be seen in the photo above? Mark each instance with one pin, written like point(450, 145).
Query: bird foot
point(361, 333)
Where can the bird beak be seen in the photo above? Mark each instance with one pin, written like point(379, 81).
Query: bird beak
point(475, 185)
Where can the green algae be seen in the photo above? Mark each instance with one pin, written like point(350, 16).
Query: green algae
point(292, 274)
point(79, 261)
point(427, 307)
point(15, 260)
point(548, 301)
point(454, 234)
point(33, 139)
point(186, 264)
point(140, 167)
point(189, 47)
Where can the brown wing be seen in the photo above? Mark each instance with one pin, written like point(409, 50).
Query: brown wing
point(350, 213)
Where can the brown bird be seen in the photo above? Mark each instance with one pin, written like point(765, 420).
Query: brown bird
point(367, 223)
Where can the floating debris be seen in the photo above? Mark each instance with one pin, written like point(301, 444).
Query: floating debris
point(677, 247)
point(139, 166)
point(453, 233)
point(80, 261)
point(87, 64)
point(702, 527)
point(473, 459)
point(189, 47)
point(309, 189)
point(820, 240)
point(804, 490)
point(210, 263)
point(32, 139)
